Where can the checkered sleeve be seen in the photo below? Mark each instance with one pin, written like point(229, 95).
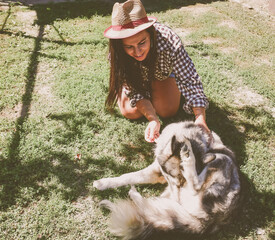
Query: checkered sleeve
point(188, 80)
point(133, 96)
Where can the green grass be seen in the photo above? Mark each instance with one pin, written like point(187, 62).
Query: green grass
point(53, 84)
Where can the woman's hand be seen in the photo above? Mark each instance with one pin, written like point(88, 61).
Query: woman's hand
point(152, 131)
point(201, 121)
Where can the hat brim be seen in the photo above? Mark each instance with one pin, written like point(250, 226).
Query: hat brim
point(124, 33)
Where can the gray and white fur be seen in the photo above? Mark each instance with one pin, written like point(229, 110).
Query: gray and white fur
point(202, 193)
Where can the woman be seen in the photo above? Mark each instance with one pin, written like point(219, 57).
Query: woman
point(150, 70)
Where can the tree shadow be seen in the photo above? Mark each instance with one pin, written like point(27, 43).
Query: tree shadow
point(8, 179)
point(56, 168)
point(49, 12)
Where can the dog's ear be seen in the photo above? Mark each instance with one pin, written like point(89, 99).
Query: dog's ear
point(175, 145)
point(208, 157)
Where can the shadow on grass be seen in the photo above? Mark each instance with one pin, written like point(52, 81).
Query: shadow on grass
point(48, 13)
point(10, 178)
point(54, 169)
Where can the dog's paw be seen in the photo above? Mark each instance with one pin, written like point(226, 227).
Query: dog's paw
point(186, 152)
point(134, 194)
point(132, 190)
point(187, 157)
point(101, 184)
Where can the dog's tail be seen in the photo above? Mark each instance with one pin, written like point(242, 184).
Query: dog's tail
point(126, 220)
point(149, 218)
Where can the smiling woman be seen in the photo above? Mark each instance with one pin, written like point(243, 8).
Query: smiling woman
point(137, 46)
point(150, 70)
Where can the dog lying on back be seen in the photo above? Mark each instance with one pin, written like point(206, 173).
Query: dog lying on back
point(202, 193)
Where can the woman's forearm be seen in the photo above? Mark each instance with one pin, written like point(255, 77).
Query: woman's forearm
point(199, 113)
point(152, 130)
point(146, 108)
point(200, 117)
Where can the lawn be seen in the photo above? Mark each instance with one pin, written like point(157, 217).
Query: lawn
point(56, 137)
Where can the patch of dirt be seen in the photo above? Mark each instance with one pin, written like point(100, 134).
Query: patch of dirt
point(45, 91)
point(26, 16)
point(229, 23)
point(264, 60)
point(28, 19)
point(211, 40)
point(12, 114)
point(4, 8)
point(197, 9)
point(258, 61)
point(85, 207)
point(45, 100)
point(183, 33)
point(228, 50)
point(87, 214)
point(266, 7)
point(244, 96)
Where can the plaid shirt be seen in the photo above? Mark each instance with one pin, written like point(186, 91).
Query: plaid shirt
point(172, 57)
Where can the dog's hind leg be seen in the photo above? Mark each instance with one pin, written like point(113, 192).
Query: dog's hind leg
point(151, 174)
point(135, 196)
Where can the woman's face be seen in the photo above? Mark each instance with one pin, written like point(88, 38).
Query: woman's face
point(137, 46)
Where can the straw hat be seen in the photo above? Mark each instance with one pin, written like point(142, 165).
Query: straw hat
point(128, 19)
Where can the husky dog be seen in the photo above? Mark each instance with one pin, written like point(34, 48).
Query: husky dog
point(202, 193)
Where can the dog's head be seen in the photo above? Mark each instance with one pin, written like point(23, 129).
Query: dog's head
point(169, 160)
point(169, 146)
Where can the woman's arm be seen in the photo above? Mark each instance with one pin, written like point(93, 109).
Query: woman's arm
point(201, 121)
point(146, 108)
point(200, 118)
point(188, 81)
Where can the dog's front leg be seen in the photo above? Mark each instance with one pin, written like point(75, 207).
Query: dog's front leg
point(151, 174)
point(188, 166)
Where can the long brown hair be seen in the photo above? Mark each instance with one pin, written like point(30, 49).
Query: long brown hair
point(126, 70)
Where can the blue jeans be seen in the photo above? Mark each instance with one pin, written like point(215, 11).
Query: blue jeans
point(172, 75)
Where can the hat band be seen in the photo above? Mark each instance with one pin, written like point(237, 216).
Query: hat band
point(132, 24)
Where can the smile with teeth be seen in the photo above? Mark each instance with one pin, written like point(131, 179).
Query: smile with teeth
point(139, 56)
